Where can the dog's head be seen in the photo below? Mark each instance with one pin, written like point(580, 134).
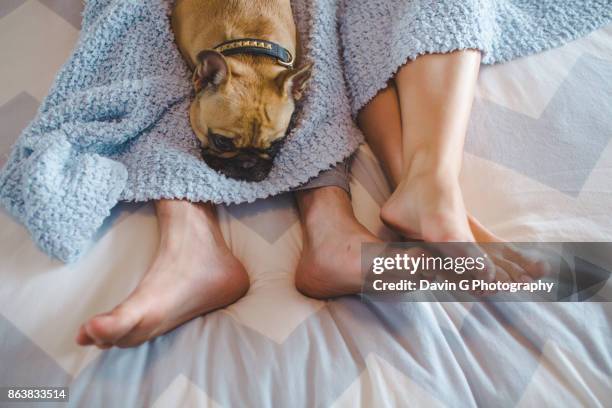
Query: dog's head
point(242, 111)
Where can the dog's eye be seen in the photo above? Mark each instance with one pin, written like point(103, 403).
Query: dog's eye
point(222, 143)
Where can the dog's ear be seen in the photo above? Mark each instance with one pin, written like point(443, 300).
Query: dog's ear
point(293, 82)
point(212, 70)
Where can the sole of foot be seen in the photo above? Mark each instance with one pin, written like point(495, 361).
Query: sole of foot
point(193, 273)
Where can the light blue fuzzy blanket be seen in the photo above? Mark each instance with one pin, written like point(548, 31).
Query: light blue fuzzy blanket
point(379, 36)
point(115, 124)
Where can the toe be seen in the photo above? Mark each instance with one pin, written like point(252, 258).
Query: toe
point(489, 272)
point(82, 338)
point(533, 265)
point(110, 327)
point(516, 273)
point(540, 269)
point(502, 276)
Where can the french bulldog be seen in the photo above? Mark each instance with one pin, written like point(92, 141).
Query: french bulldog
point(242, 54)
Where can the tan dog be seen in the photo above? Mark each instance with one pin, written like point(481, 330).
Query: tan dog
point(242, 54)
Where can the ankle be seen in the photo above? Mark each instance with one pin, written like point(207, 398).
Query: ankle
point(324, 209)
point(318, 205)
point(433, 165)
point(182, 223)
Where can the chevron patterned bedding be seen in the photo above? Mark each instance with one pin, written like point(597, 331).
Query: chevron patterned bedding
point(538, 167)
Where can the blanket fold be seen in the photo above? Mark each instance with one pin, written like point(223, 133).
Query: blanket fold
point(82, 187)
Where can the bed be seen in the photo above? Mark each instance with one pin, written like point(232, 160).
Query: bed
point(538, 167)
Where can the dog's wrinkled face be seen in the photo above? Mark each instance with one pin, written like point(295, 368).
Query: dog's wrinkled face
point(241, 114)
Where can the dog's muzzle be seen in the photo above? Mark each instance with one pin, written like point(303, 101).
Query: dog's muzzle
point(246, 166)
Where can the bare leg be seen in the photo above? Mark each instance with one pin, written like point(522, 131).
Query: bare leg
point(381, 122)
point(435, 93)
point(330, 264)
point(194, 273)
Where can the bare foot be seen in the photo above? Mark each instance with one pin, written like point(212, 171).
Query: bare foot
point(431, 208)
point(512, 263)
point(194, 273)
point(330, 264)
point(428, 207)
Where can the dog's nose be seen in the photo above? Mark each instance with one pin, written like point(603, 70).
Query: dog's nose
point(248, 163)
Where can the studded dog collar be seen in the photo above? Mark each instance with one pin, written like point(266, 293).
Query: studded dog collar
point(257, 47)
